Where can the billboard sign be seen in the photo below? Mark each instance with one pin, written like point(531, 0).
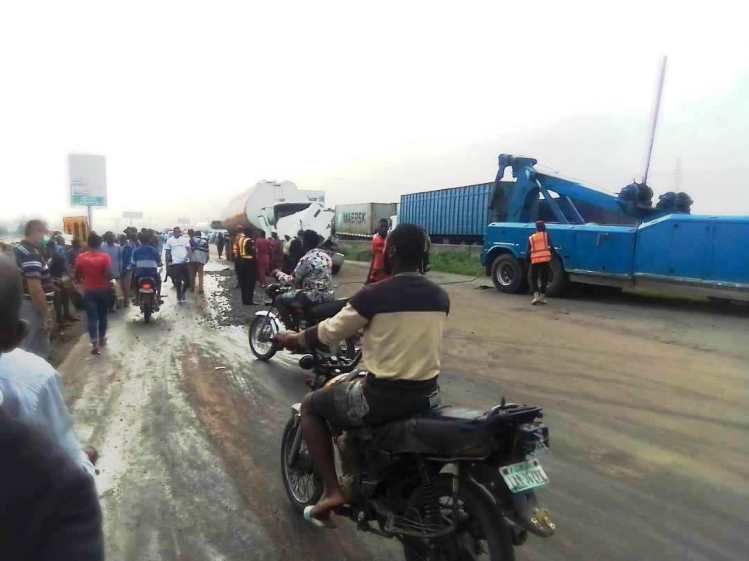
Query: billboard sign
point(88, 180)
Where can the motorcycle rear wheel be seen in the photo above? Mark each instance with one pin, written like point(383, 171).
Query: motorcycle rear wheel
point(302, 484)
point(147, 315)
point(263, 350)
point(480, 533)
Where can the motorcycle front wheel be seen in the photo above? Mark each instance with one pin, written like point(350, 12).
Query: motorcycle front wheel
point(262, 330)
point(479, 533)
point(302, 484)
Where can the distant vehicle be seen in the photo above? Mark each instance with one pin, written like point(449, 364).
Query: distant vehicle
point(451, 215)
point(279, 207)
point(325, 364)
point(360, 221)
point(147, 297)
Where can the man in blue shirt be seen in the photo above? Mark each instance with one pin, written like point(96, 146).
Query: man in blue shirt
point(30, 388)
point(126, 270)
point(147, 260)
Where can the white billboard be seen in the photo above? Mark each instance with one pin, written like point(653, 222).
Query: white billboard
point(88, 180)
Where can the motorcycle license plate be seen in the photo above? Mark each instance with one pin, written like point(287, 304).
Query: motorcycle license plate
point(524, 475)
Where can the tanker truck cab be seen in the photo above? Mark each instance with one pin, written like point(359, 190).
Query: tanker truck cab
point(615, 241)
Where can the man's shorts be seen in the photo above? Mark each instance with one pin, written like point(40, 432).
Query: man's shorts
point(342, 404)
point(369, 401)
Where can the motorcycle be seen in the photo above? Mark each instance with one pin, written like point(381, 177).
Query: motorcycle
point(147, 300)
point(450, 484)
point(325, 364)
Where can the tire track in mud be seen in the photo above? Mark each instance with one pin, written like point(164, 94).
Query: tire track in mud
point(246, 432)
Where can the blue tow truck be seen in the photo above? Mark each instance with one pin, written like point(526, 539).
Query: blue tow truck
point(615, 241)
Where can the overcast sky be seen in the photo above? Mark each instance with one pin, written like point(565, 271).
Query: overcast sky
point(193, 101)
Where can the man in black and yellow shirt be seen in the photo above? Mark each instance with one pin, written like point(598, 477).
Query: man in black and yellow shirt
point(403, 318)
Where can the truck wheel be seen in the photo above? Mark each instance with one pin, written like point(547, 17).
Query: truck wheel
point(508, 274)
point(557, 278)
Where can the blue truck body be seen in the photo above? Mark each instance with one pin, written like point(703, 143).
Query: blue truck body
point(457, 214)
point(706, 255)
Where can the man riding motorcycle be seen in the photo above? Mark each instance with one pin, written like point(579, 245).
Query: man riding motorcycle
point(403, 318)
point(146, 261)
point(312, 278)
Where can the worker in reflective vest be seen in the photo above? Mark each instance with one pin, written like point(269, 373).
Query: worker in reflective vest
point(245, 264)
point(539, 255)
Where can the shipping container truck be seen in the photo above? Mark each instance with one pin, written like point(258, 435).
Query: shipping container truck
point(356, 221)
point(451, 215)
point(672, 251)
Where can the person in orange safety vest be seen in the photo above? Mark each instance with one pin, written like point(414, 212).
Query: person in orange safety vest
point(539, 254)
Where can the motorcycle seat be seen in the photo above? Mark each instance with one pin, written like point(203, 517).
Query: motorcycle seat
point(326, 309)
point(448, 432)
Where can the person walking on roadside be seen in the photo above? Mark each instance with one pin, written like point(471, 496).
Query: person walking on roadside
point(37, 282)
point(296, 250)
point(540, 252)
point(93, 272)
point(126, 264)
point(114, 250)
point(220, 240)
point(200, 253)
point(377, 265)
point(263, 251)
point(60, 273)
point(276, 252)
point(177, 258)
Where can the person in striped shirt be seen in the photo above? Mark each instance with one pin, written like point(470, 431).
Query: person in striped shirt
point(37, 282)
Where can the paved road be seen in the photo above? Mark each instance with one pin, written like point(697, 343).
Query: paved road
point(646, 401)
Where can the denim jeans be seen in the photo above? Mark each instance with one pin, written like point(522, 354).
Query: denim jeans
point(97, 306)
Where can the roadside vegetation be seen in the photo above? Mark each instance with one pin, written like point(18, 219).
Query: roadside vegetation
point(458, 262)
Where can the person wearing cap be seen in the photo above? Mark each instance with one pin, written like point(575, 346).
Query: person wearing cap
point(539, 252)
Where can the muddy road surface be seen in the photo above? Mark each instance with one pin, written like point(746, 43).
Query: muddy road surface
point(646, 402)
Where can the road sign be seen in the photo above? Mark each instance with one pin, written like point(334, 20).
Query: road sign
point(88, 180)
point(133, 215)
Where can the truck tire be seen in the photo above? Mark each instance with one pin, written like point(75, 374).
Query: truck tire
point(508, 274)
point(557, 278)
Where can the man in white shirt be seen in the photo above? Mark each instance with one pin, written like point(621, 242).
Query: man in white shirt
point(177, 257)
point(30, 388)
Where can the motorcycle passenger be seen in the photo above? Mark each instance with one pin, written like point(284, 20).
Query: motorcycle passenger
point(403, 318)
point(146, 262)
point(312, 278)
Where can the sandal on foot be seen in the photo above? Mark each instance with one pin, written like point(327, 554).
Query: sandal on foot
point(329, 524)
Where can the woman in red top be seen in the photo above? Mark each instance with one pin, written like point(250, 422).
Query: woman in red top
point(377, 267)
point(93, 272)
point(263, 253)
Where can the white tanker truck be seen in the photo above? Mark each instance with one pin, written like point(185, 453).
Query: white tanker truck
point(282, 208)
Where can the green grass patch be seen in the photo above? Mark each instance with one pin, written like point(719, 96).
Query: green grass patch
point(458, 262)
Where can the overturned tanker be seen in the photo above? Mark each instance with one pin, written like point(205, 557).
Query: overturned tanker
point(279, 207)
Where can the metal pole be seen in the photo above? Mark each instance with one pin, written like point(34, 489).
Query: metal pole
point(89, 208)
point(656, 111)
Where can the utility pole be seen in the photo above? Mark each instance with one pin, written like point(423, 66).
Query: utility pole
point(656, 112)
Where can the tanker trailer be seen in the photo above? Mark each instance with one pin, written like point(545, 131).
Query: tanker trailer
point(283, 208)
